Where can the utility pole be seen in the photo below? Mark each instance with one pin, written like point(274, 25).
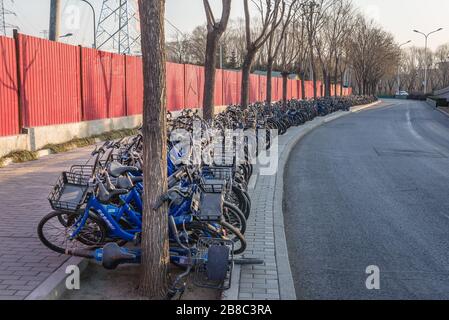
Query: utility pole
point(55, 15)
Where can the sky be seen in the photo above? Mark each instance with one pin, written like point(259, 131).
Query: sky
point(399, 17)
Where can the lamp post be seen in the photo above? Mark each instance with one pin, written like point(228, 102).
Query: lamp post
point(95, 21)
point(426, 36)
point(399, 66)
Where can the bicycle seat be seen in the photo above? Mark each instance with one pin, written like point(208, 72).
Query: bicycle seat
point(113, 256)
point(124, 182)
point(105, 196)
point(116, 169)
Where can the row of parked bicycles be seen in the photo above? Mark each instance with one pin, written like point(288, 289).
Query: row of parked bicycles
point(98, 205)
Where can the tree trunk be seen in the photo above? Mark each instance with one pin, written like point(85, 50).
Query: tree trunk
point(246, 70)
point(269, 81)
point(214, 33)
point(155, 246)
point(303, 85)
point(315, 89)
point(285, 88)
point(209, 76)
point(335, 78)
point(325, 83)
point(342, 79)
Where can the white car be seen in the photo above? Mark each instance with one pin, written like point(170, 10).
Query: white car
point(402, 93)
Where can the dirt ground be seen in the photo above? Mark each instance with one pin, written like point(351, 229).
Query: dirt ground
point(98, 283)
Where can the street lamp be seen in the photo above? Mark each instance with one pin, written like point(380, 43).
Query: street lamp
point(67, 35)
point(95, 21)
point(426, 36)
point(399, 66)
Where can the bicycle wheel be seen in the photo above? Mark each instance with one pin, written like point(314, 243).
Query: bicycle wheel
point(234, 216)
point(248, 203)
point(55, 235)
point(236, 197)
point(235, 236)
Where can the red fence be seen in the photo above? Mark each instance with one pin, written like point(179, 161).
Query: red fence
point(47, 83)
point(9, 104)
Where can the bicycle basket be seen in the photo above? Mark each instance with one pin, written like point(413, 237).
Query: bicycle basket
point(214, 263)
point(84, 170)
point(70, 192)
point(212, 185)
point(220, 173)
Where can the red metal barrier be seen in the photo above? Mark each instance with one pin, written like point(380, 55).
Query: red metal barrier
point(219, 87)
point(262, 88)
point(103, 84)
point(62, 84)
point(274, 89)
point(9, 102)
point(134, 85)
point(253, 88)
point(230, 87)
point(280, 89)
point(50, 86)
point(175, 81)
point(194, 84)
point(309, 89)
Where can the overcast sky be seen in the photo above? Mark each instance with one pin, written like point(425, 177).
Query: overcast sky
point(399, 17)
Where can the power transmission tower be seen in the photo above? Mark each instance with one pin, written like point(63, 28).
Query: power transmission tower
point(4, 26)
point(115, 26)
point(55, 15)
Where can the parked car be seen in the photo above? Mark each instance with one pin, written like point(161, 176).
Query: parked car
point(402, 93)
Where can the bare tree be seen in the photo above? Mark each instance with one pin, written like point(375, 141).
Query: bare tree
point(155, 243)
point(302, 60)
point(314, 12)
point(286, 61)
point(271, 15)
point(275, 42)
point(214, 32)
point(372, 54)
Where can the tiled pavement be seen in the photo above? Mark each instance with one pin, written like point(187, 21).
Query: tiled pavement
point(260, 281)
point(24, 262)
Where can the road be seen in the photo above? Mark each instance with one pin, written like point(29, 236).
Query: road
point(24, 261)
point(371, 189)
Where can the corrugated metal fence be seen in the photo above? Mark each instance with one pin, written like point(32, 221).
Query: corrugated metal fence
point(9, 104)
point(48, 83)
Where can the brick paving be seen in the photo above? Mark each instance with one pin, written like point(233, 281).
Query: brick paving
point(260, 281)
point(24, 262)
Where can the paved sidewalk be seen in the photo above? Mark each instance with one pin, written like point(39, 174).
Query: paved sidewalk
point(264, 282)
point(24, 262)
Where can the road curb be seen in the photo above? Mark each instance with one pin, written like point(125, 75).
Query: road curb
point(54, 286)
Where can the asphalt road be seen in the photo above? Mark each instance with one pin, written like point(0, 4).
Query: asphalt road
point(369, 189)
